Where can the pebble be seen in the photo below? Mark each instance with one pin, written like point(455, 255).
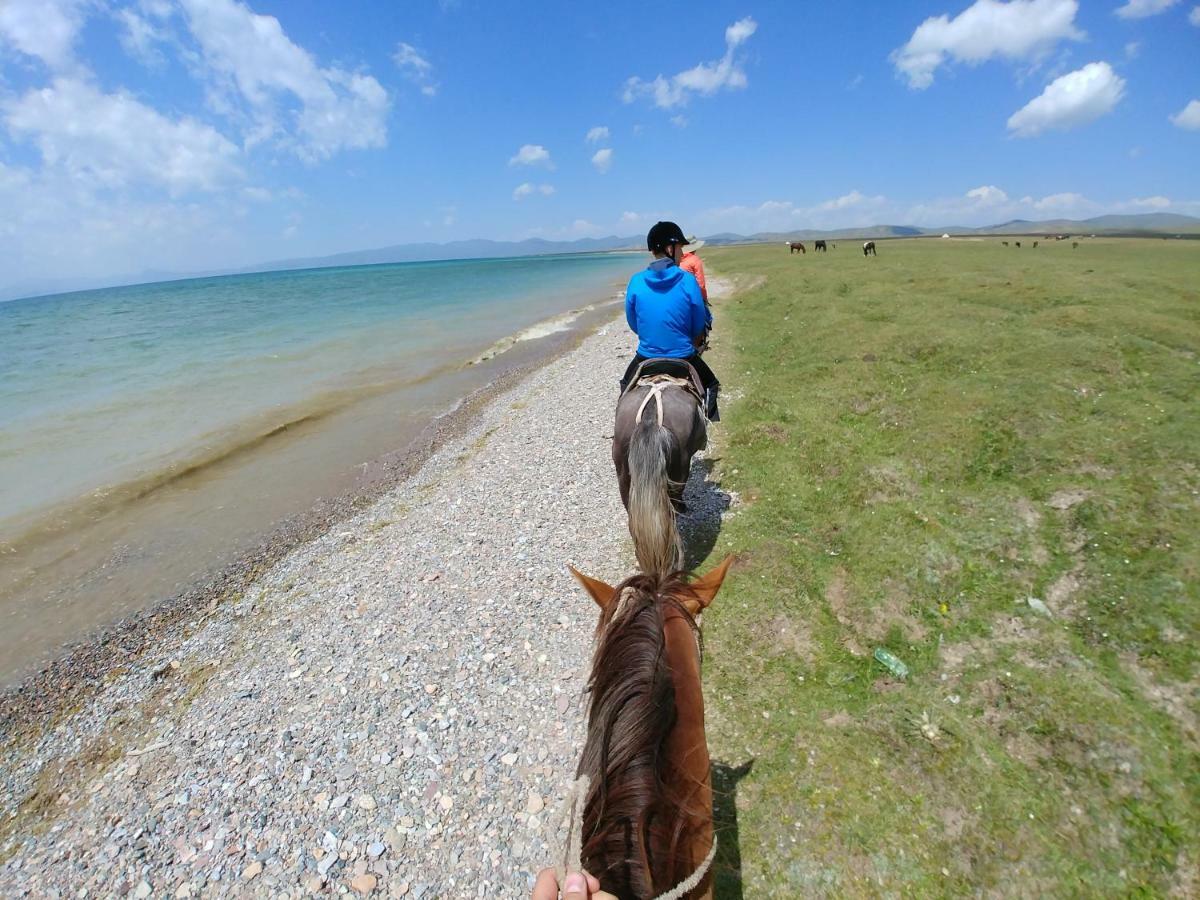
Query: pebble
point(364, 884)
point(366, 801)
point(252, 871)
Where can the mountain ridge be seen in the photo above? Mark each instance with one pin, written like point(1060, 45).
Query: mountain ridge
point(1146, 224)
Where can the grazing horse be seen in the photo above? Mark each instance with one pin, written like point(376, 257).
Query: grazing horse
point(648, 812)
point(869, 249)
point(1005, 243)
point(1035, 243)
point(820, 245)
point(793, 246)
point(659, 427)
point(1018, 243)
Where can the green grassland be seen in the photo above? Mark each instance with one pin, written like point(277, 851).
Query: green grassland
point(919, 443)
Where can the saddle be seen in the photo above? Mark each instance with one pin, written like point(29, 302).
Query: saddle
point(678, 371)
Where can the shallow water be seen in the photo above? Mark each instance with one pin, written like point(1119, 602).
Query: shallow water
point(149, 434)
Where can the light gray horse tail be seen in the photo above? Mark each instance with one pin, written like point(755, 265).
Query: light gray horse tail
point(651, 516)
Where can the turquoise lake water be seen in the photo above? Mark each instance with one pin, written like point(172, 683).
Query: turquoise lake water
point(105, 387)
point(149, 433)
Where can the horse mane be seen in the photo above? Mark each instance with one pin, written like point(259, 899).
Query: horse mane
point(635, 831)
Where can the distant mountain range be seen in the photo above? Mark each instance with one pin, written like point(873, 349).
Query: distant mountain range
point(1146, 224)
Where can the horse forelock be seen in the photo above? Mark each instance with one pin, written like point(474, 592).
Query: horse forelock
point(635, 836)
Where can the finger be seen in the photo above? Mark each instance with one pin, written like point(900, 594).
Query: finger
point(575, 887)
point(593, 882)
point(546, 886)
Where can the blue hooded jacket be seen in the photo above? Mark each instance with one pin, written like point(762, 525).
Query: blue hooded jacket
point(665, 308)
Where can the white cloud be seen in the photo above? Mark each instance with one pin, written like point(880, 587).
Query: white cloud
point(1188, 117)
point(140, 37)
point(55, 227)
point(597, 135)
point(847, 201)
point(527, 189)
point(1194, 16)
point(1070, 101)
point(628, 218)
point(329, 109)
point(1133, 49)
point(602, 160)
point(1061, 204)
point(1140, 9)
point(415, 67)
point(1152, 202)
point(531, 155)
point(988, 29)
point(44, 29)
point(987, 195)
point(679, 121)
point(704, 79)
point(113, 140)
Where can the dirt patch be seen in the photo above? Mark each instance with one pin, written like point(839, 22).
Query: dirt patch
point(1060, 595)
point(1028, 513)
point(790, 637)
point(1066, 499)
point(890, 484)
point(837, 595)
point(895, 609)
point(840, 719)
point(955, 821)
point(1178, 700)
point(771, 432)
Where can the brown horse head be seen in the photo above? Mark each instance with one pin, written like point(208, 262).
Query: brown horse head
point(647, 821)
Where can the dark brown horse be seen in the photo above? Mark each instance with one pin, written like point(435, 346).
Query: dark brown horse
point(793, 246)
point(820, 245)
point(647, 819)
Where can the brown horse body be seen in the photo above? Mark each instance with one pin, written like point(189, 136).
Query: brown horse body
point(648, 820)
point(793, 246)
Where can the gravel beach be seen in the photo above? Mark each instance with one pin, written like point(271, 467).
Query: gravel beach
point(393, 708)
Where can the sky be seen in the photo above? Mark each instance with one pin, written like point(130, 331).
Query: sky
point(190, 135)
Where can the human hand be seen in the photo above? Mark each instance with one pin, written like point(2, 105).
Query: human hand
point(576, 886)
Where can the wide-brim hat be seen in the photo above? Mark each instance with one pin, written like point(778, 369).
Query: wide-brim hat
point(694, 243)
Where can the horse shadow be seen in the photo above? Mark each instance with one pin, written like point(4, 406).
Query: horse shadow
point(700, 526)
point(727, 867)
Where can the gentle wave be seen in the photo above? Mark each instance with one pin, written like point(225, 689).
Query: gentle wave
point(544, 328)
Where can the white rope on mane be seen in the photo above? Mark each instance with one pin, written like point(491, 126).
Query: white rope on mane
point(571, 810)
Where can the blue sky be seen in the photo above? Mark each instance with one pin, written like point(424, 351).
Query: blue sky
point(184, 135)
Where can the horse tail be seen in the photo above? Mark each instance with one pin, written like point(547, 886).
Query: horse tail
point(651, 516)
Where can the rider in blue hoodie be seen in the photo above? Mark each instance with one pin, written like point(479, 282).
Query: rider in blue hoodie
point(666, 310)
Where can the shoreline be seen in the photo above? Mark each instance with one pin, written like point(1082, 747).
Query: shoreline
point(72, 676)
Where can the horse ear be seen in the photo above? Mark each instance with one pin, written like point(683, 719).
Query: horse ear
point(599, 591)
point(706, 588)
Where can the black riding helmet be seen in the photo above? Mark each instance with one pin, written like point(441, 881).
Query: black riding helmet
point(664, 233)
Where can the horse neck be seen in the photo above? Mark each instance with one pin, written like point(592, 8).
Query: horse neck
point(687, 761)
point(673, 809)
